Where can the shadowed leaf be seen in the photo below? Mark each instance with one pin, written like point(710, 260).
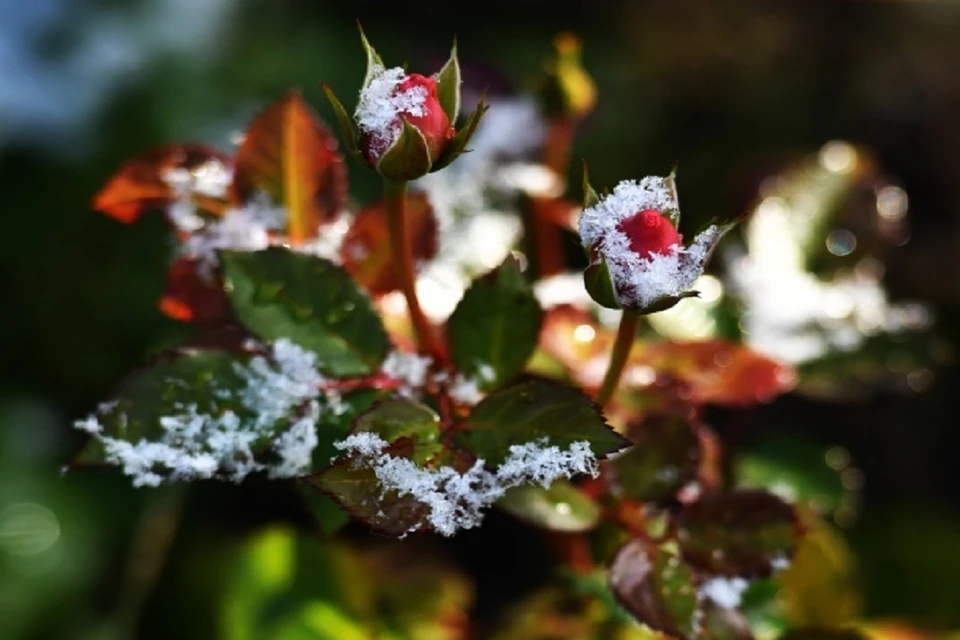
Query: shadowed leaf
point(277, 293)
point(742, 533)
point(657, 587)
point(665, 458)
point(190, 297)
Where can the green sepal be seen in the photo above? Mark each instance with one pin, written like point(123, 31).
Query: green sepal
point(590, 197)
point(373, 58)
point(448, 85)
point(346, 123)
point(458, 145)
point(408, 158)
point(599, 284)
point(673, 214)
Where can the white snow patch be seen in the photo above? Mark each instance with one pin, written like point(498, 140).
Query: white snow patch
point(381, 105)
point(642, 281)
point(458, 500)
point(410, 369)
point(724, 592)
point(196, 445)
point(465, 390)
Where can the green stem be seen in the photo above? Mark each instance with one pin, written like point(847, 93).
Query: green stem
point(626, 334)
point(395, 197)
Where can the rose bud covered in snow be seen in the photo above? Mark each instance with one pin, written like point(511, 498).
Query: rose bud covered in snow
point(637, 257)
point(405, 122)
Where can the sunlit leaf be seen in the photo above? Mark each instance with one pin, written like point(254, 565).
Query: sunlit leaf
point(719, 372)
point(140, 185)
point(559, 507)
point(494, 329)
point(532, 410)
point(666, 456)
point(742, 533)
point(657, 587)
point(404, 418)
point(366, 251)
point(290, 154)
point(281, 294)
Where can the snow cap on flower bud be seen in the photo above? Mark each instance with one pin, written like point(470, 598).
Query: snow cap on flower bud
point(405, 122)
point(637, 257)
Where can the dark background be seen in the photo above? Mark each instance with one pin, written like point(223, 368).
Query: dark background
point(731, 90)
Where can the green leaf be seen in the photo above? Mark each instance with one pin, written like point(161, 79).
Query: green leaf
point(494, 329)
point(277, 293)
point(657, 587)
point(408, 158)
point(532, 410)
point(560, 507)
point(206, 380)
point(673, 213)
point(448, 86)
point(458, 145)
point(373, 58)
point(742, 533)
point(403, 418)
point(347, 131)
point(665, 458)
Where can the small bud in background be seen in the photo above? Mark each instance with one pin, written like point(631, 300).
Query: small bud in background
point(566, 90)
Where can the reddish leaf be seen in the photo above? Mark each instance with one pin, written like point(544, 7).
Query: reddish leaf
point(563, 213)
point(366, 248)
point(139, 184)
point(666, 456)
point(719, 372)
point(190, 297)
point(291, 155)
point(358, 491)
point(742, 533)
point(581, 344)
point(657, 587)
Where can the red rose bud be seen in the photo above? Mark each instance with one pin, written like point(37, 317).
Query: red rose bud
point(637, 257)
point(433, 123)
point(650, 232)
point(403, 124)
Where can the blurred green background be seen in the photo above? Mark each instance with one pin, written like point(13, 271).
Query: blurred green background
point(733, 91)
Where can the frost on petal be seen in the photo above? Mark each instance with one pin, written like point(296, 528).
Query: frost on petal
point(276, 409)
point(640, 282)
point(458, 500)
point(724, 592)
point(381, 105)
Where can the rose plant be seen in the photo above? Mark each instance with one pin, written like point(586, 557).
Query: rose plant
point(313, 363)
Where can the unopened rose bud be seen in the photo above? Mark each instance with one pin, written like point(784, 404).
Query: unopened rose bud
point(393, 98)
point(637, 257)
point(405, 122)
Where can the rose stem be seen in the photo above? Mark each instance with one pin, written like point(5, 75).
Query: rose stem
point(395, 196)
point(621, 349)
